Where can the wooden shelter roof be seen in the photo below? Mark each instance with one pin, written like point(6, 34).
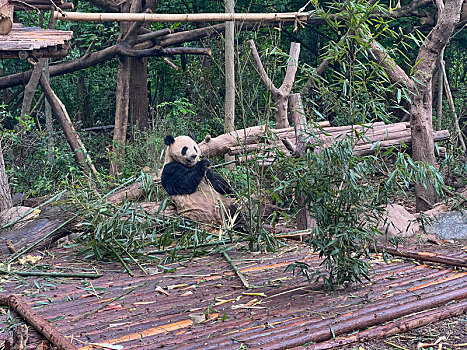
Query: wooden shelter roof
point(34, 42)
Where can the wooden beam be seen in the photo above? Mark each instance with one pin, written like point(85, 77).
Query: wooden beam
point(190, 17)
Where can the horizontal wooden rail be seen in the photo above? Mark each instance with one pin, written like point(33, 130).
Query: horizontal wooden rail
point(190, 17)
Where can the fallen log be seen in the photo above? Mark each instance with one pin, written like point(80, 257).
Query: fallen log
point(37, 321)
point(49, 224)
point(395, 327)
point(423, 256)
point(370, 148)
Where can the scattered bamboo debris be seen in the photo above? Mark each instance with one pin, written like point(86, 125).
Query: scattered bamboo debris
point(38, 322)
point(285, 307)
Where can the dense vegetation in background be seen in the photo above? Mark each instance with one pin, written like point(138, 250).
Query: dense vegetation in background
point(190, 101)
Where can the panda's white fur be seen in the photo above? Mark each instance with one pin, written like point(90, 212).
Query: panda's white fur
point(174, 152)
point(196, 191)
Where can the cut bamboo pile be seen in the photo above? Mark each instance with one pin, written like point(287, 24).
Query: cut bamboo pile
point(369, 138)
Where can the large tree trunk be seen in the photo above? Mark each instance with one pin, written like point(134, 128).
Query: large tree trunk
point(5, 195)
point(139, 101)
point(122, 96)
point(422, 143)
point(421, 109)
point(422, 99)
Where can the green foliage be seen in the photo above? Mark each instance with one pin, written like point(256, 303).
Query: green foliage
point(347, 196)
point(357, 89)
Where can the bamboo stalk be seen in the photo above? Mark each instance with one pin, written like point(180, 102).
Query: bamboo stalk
point(37, 321)
point(237, 271)
point(190, 17)
point(52, 274)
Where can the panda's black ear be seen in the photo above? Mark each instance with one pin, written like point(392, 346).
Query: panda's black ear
point(168, 140)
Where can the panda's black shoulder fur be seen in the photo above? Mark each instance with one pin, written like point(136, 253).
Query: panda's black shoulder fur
point(179, 179)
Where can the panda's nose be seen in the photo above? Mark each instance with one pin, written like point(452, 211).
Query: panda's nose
point(193, 156)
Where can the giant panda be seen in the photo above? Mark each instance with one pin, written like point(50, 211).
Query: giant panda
point(198, 192)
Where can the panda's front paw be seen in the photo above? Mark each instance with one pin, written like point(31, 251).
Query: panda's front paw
point(204, 163)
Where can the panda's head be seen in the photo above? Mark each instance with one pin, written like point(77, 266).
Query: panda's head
point(182, 149)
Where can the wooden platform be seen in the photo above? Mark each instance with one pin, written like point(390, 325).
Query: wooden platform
point(34, 42)
point(200, 304)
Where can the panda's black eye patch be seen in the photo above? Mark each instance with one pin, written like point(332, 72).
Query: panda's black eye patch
point(184, 149)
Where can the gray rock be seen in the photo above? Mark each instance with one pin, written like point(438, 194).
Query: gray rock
point(449, 225)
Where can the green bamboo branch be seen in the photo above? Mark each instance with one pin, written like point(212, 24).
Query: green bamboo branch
point(245, 283)
point(51, 274)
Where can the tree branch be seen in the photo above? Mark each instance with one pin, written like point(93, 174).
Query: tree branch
point(261, 71)
point(292, 66)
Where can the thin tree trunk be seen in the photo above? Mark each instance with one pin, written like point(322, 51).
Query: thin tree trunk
point(30, 88)
point(453, 107)
point(49, 129)
point(71, 135)
point(229, 118)
point(5, 195)
point(439, 109)
point(297, 115)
